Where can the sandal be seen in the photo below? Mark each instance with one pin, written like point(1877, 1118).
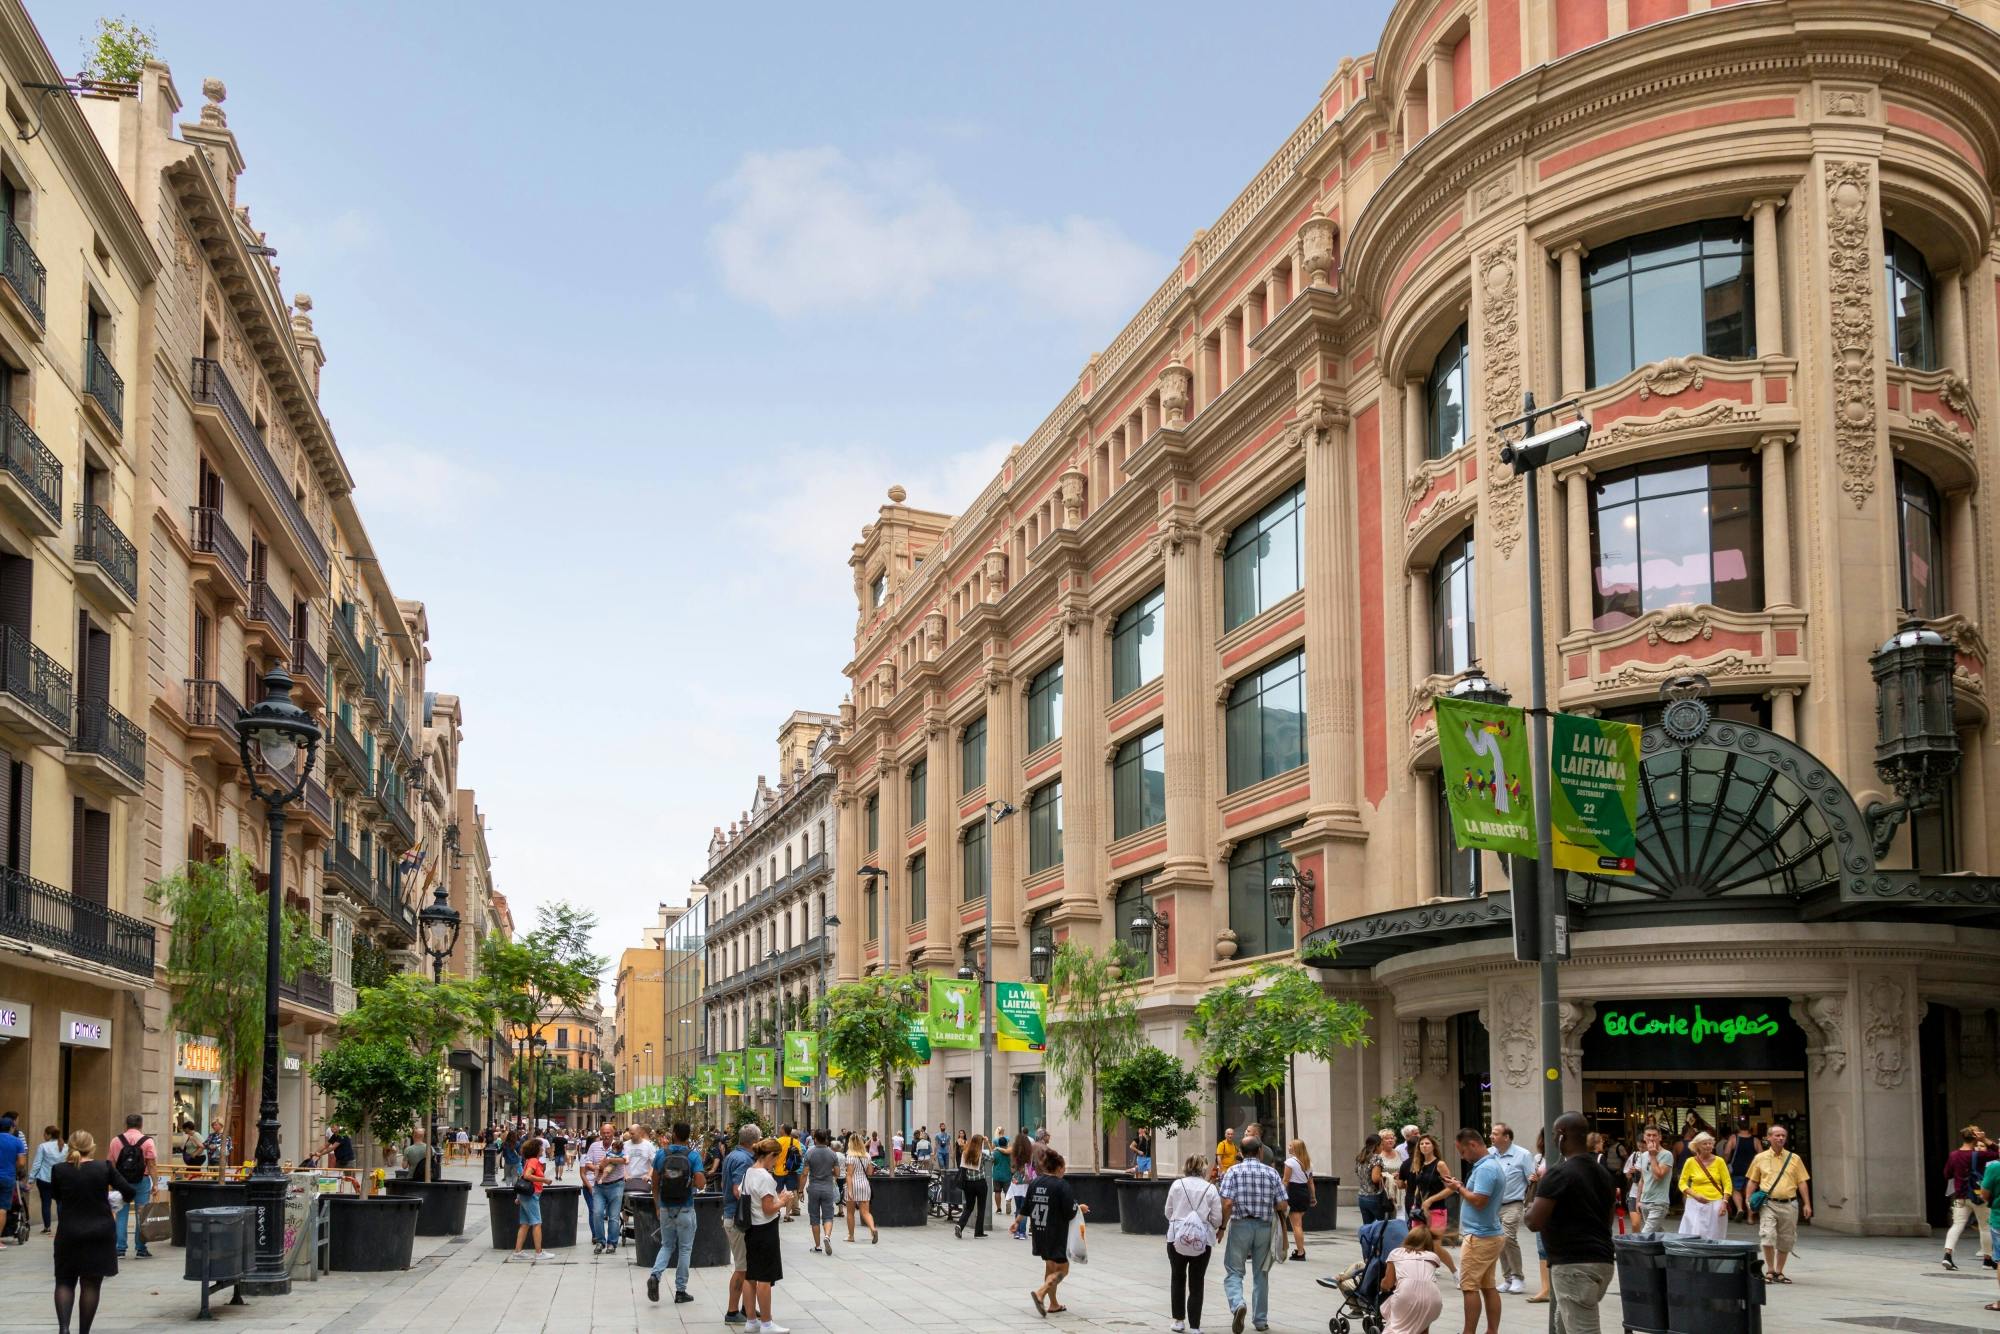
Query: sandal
point(1036, 1298)
point(1991, 1306)
point(1054, 1309)
point(1776, 1278)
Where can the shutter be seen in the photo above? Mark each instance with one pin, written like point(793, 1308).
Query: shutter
point(97, 684)
point(81, 691)
point(97, 856)
point(17, 593)
point(76, 847)
point(216, 851)
point(7, 765)
point(200, 644)
point(197, 843)
point(24, 816)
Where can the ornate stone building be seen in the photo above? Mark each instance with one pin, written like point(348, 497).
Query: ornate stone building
point(1195, 629)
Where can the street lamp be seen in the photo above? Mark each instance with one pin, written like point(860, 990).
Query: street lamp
point(437, 926)
point(996, 811)
point(1475, 687)
point(272, 735)
point(832, 925)
point(1149, 928)
point(1916, 734)
point(1289, 882)
point(1038, 962)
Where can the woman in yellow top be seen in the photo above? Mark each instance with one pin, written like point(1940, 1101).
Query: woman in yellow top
point(1705, 1185)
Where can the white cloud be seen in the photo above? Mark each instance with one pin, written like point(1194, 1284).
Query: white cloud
point(811, 229)
point(411, 482)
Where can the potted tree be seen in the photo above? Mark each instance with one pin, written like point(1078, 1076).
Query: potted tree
point(378, 1085)
point(215, 981)
point(1149, 1090)
point(865, 1030)
point(1093, 1024)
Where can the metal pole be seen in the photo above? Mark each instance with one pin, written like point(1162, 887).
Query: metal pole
point(1545, 876)
point(489, 1155)
point(992, 995)
point(436, 1149)
point(267, 1185)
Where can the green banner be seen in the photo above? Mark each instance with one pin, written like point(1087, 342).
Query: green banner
point(920, 1039)
point(760, 1065)
point(1020, 1016)
point(1594, 795)
point(704, 1079)
point(801, 1058)
point(1488, 783)
point(729, 1069)
point(954, 1016)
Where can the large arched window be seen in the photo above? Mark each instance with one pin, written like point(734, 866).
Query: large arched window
point(1264, 561)
point(1670, 293)
point(1452, 644)
point(1920, 525)
point(1682, 530)
point(1445, 397)
point(1912, 304)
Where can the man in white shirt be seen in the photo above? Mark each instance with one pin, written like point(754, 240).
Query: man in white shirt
point(1408, 1148)
point(1518, 1168)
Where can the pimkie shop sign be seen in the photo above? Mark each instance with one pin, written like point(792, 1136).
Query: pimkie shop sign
point(1735, 1034)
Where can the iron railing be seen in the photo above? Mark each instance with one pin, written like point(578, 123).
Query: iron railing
point(348, 750)
point(211, 386)
point(318, 801)
point(395, 805)
point(23, 271)
point(101, 543)
point(33, 911)
point(102, 730)
point(351, 872)
point(209, 704)
point(265, 605)
point(311, 989)
point(347, 641)
point(214, 537)
point(103, 383)
point(29, 460)
point(377, 684)
point(33, 677)
point(308, 665)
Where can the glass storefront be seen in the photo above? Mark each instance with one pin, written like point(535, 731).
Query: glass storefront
point(1694, 1065)
point(197, 1081)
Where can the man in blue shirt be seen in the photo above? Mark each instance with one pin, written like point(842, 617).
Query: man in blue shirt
point(13, 1161)
point(1479, 1223)
point(734, 1168)
point(1519, 1165)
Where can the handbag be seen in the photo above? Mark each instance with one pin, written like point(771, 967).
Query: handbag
point(1758, 1197)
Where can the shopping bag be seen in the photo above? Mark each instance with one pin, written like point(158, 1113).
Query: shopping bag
point(1077, 1254)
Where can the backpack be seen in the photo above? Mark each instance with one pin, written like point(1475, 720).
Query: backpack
point(1189, 1234)
point(793, 1158)
point(676, 1175)
point(131, 1160)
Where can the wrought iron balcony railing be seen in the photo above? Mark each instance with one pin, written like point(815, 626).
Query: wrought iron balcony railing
point(100, 542)
point(102, 730)
point(350, 872)
point(348, 749)
point(265, 605)
point(307, 664)
point(395, 804)
point(33, 677)
point(348, 642)
point(311, 989)
point(212, 386)
point(103, 383)
point(209, 704)
point(318, 801)
point(213, 536)
point(23, 270)
point(33, 911)
point(31, 463)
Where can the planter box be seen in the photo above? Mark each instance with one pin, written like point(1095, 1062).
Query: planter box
point(1099, 1190)
point(711, 1242)
point(902, 1200)
point(560, 1204)
point(1142, 1205)
point(185, 1195)
point(371, 1235)
point(443, 1212)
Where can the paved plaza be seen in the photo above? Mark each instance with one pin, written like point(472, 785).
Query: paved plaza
point(922, 1279)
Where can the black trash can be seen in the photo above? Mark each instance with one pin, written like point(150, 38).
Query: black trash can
point(1714, 1287)
point(221, 1243)
point(643, 1222)
point(1642, 1281)
point(185, 1195)
point(711, 1240)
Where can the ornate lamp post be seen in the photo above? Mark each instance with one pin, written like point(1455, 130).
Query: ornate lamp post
point(1916, 736)
point(1149, 928)
point(1038, 962)
point(273, 735)
point(437, 927)
point(1288, 883)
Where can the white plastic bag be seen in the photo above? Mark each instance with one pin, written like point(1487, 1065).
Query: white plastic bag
point(1077, 1254)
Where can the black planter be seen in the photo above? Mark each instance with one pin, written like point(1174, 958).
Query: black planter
point(371, 1235)
point(902, 1200)
point(1142, 1205)
point(1324, 1216)
point(443, 1213)
point(711, 1243)
point(185, 1195)
point(560, 1204)
point(1099, 1190)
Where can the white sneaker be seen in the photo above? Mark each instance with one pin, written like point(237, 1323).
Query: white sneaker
point(545, 1255)
point(773, 1327)
point(1179, 1327)
point(753, 1327)
point(1516, 1285)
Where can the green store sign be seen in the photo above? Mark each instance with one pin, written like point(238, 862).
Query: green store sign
point(1737, 1035)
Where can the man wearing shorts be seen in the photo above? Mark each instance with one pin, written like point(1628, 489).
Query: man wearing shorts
point(822, 1168)
point(1782, 1175)
point(1479, 1222)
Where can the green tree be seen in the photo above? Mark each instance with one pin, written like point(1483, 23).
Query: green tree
point(118, 51)
point(1153, 1091)
point(1258, 1025)
point(865, 1030)
point(215, 957)
point(1093, 1024)
point(423, 1016)
point(1402, 1107)
point(378, 1086)
point(549, 969)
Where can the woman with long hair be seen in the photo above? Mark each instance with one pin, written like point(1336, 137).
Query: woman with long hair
point(528, 1202)
point(859, 1191)
point(972, 1159)
point(1373, 1180)
point(1411, 1302)
point(85, 1248)
point(1430, 1192)
point(510, 1157)
point(1300, 1193)
point(1021, 1154)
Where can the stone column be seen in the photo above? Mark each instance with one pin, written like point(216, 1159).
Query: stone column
point(1513, 1028)
point(1766, 274)
point(847, 885)
point(1576, 547)
point(1417, 586)
point(1785, 711)
point(1961, 536)
point(893, 895)
point(1251, 324)
point(1951, 323)
point(1186, 875)
point(940, 835)
point(1575, 365)
point(1332, 666)
point(1577, 1017)
point(1085, 808)
point(1274, 294)
point(1777, 523)
point(1416, 447)
point(1439, 84)
point(1006, 742)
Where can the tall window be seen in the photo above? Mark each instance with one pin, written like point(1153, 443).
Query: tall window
point(1139, 784)
point(1045, 830)
point(1671, 293)
point(1458, 871)
point(919, 889)
point(1452, 644)
point(871, 815)
point(1264, 560)
point(920, 780)
point(1684, 530)
point(975, 862)
point(1125, 907)
point(1138, 648)
point(1251, 867)
point(1045, 706)
point(1266, 722)
point(1912, 304)
point(878, 588)
point(1445, 397)
point(972, 756)
point(1920, 524)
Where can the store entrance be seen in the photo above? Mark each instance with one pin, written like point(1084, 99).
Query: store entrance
point(1621, 1108)
point(1692, 1065)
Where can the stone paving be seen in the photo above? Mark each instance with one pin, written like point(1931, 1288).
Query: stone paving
point(923, 1279)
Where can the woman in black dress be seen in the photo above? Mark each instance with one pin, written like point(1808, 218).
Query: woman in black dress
point(85, 1252)
point(1050, 1207)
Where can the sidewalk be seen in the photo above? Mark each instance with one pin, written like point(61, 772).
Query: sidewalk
point(921, 1280)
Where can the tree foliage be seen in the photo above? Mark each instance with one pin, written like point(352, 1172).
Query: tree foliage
point(118, 51)
point(1402, 1107)
point(426, 1016)
point(865, 1031)
point(1256, 1026)
point(549, 969)
point(1093, 1023)
point(378, 1085)
point(1153, 1091)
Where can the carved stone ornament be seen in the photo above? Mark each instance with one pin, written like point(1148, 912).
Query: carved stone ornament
point(1732, 663)
point(996, 680)
point(1673, 376)
point(1517, 1036)
point(1500, 366)
point(1224, 851)
point(1436, 1053)
point(1173, 533)
point(1072, 498)
point(1851, 287)
point(1223, 690)
point(1075, 617)
point(1674, 419)
point(1225, 944)
point(996, 575)
point(211, 111)
point(933, 635)
point(1885, 1036)
point(1176, 385)
point(1957, 395)
point(1410, 1045)
point(1843, 102)
point(1316, 246)
point(1680, 623)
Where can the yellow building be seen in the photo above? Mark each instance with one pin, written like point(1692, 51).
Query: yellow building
point(639, 1047)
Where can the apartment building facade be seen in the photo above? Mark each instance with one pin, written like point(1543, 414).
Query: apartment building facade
point(1195, 630)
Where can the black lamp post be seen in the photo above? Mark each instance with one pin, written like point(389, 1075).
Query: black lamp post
point(1288, 882)
point(273, 736)
point(1916, 735)
point(437, 926)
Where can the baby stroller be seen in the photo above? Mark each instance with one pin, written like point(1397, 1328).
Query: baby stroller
point(1360, 1284)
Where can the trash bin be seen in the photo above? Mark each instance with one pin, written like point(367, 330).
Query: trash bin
point(1714, 1287)
point(645, 1227)
point(221, 1243)
point(1642, 1281)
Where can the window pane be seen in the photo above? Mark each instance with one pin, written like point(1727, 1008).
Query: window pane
point(919, 802)
point(1458, 871)
point(1279, 567)
point(1694, 535)
point(973, 863)
point(1666, 313)
point(1452, 644)
point(1044, 828)
point(1045, 707)
point(919, 889)
point(1667, 294)
point(1284, 726)
point(1138, 652)
point(1607, 313)
point(873, 814)
point(1673, 550)
point(1251, 867)
point(972, 757)
point(1243, 734)
point(1265, 723)
point(1446, 404)
point(1139, 784)
point(1261, 563)
point(1239, 588)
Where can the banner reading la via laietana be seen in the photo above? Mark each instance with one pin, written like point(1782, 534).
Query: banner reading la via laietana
point(1594, 794)
point(1488, 780)
point(954, 1017)
point(1020, 1016)
point(920, 1039)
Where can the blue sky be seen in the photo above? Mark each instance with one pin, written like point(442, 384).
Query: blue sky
point(624, 351)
